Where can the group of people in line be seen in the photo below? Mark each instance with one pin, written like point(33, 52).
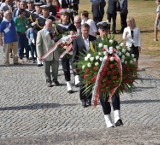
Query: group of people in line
point(35, 30)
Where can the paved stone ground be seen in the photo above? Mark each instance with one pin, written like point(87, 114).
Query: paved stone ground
point(33, 114)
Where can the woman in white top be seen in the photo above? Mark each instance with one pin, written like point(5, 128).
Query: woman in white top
point(157, 21)
point(132, 36)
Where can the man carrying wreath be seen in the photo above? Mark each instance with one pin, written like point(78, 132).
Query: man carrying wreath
point(103, 29)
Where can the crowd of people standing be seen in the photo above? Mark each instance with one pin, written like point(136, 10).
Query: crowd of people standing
point(29, 25)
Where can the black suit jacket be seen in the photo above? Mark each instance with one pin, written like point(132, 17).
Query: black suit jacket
point(79, 48)
point(112, 7)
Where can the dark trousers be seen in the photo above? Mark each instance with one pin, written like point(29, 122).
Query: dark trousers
point(113, 18)
point(33, 51)
point(22, 43)
point(85, 96)
point(123, 21)
point(106, 106)
point(66, 68)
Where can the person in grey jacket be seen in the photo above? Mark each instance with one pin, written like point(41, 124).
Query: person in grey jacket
point(44, 42)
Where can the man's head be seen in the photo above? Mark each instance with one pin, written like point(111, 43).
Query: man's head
point(84, 15)
point(85, 30)
point(103, 28)
point(37, 7)
point(23, 4)
point(77, 21)
point(8, 15)
point(48, 24)
point(65, 16)
point(45, 10)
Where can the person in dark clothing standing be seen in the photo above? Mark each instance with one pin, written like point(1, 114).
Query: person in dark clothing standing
point(123, 14)
point(64, 28)
point(112, 14)
point(80, 46)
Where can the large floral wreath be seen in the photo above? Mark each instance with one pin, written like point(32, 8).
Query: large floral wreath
point(109, 69)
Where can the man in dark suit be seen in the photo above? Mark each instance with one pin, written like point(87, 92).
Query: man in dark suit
point(123, 13)
point(81, 45)
point(112, 14)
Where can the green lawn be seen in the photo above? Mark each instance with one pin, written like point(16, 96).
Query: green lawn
point(144, 13)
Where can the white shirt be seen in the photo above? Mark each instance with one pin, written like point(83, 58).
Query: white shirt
point(91, 23)
point(86, 42)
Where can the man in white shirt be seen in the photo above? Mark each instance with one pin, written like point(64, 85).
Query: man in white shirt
point(90, 22)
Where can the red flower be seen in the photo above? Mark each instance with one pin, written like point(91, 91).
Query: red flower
point(93, 79)
point(94, 68)
point(103, 74)
point(108, 82)
point(85, 76)
point(115, 85)
point(103, 85)
point(87, 71)
point(114, 77)
point(111, 66)
point(109, 73)
point(105, 69)
point(114, 72)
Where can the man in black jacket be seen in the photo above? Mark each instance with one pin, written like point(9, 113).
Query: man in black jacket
point(81, 45)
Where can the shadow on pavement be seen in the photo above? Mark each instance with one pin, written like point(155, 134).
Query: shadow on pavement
point(139, 101)
point(36, 106)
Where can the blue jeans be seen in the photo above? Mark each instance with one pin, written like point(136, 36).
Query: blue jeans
point(22, 43)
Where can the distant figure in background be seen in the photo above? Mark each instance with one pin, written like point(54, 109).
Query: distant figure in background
point(96, 11)
point(157, 21)
point(123, 14)
point(112, 14)
point(90, 22)
point(7, 27)
point(132, 36)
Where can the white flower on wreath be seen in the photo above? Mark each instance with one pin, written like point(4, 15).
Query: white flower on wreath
point(97, 57)
point(104, 52)
point(91, 58)
point(125, 62)
point(106, 47)
point(111, 41)
point(122, 44)
point(110, 50)
point(123, 57)
point(96, 63)
point(89, 64)
point(83, 66)
point(88, 55)
point(64, 47)
point(131, 61)
point(111, 59)
point(127, 54)
point(134, 60)
point(122, 60)
point(100, 58)
point(86, 58)
point(128, 48)
point(123, 50)
point(99, 53)
point(119, 53)
point(132, 55)
point(100, 45)
point(118, 47)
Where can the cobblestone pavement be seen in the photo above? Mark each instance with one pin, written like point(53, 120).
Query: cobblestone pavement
point(33, 114)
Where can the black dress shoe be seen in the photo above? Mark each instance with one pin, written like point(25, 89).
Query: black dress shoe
point(56, 83)
point(70, 91)
point(88, 102)
point(49, 84)
point(84, 103)
point(39, 65)
point(119, 123)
